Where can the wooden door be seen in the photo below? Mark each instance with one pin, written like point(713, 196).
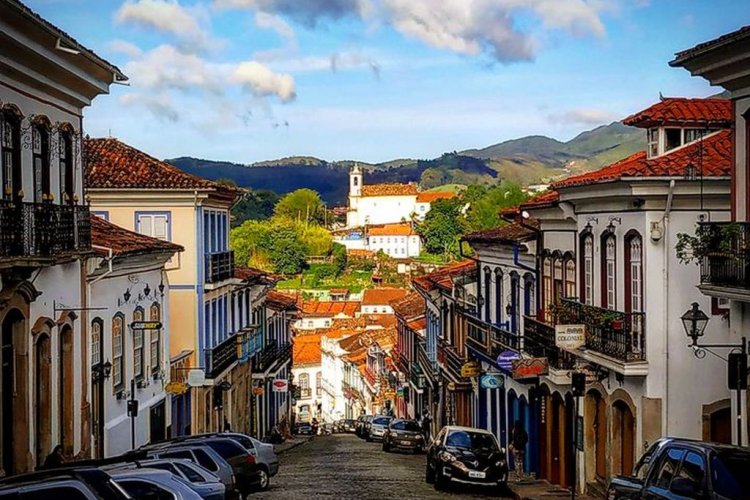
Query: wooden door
point(66, 390)
point(43, 394)
point(623, 442)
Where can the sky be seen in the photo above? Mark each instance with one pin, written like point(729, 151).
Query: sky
point(375, 80)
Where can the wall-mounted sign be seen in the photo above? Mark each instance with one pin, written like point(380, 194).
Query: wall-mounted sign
point(471, 369)
point(505, 360)
point(176, 388)
point(530, 368)
point(390, 394)
point(491, 381)
point(196, 377)
point(259, 391)
point(400, 392)
point(280, 385)
point(570, 336)
point(145, 325)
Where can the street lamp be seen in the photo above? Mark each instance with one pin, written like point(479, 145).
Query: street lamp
point(99, 373)
point(694, 321)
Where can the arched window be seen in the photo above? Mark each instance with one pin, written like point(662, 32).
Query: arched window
point(138, 345)
point(487, 293)
point(609, 266)
point(97, 325)
point(558, 278)
point(634, 272)
point(529, 297)
point(547, 284)
point(498, 295)
point(118, 347)
point(304, 385)
point(65, 156)
point(155, 348)
point(587, 286)
point(515, 303)
point(318, 384)
point(570, 277)
point(40, 150)
point(11, 155)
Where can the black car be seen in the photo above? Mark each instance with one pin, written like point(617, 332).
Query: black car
point(363, 426)
point(466, 455)
point(303, 428)
point(74, 483)
point(347, 425)
point(684, 468)
point(404, 435)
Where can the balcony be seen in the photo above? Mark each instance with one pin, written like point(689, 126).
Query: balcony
point(539, 342)
point(219, 266)
point(305, 393)
point(614, 339)
point(490, 339)
point(423, 359)
point(450, 359)
point(417, 378)
point(271, 356)
point(43, 231)
point(724, 257)
point(223, 355)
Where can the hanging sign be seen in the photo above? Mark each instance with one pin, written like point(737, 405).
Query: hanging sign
point(390, 394)
point(505, 360)
point(259, 391)
point(280, 385)
point(145, 325)
point(530, 368)
point(400, 392)
point(491, 381)
point(176, 388)
point(570, 336)
point(196, 377)
point(471, 369)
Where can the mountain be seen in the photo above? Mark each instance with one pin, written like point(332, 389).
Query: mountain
point(526, 160)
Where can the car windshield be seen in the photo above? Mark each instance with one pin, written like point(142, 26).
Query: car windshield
point(469, 440)
point(381, 420)
point(406, 425)
point(730, 474)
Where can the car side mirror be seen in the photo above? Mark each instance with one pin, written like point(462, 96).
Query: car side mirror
point(684, 487)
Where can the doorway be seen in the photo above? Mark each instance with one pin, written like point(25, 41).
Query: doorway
point(623, 438)
point(720, 426)
point(43, 397)
point(157, 422)
point(66, 390)
point(14, 424)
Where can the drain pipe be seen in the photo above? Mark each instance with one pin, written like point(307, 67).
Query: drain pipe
point(109, 263)
point(665, 223)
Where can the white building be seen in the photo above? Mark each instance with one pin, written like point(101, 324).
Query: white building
point(316, 314)
point(306, 369)
point(398, 241)
point(378, 300)
point(127, 283)
point(46, 81)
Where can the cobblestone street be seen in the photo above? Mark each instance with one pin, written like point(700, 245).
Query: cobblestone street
point(343, 466)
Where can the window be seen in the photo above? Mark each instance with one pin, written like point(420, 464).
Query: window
point(190, 474)
point(487, 293)
point(155, 358)
point(138, 345)
point(529, 295)
point(498, 295)
point(558, 283)
point(154, 225)
point(355, 181)
point(692, 472)
point(547, 283)
point(118, 343)
point(588, 270)
point(96, 337)
point(40, 158)
point(304, 385)
point(570, 278)
point(318, 384)
point(227, 448)
point(609, 298)
point(692, 134)
point(11, 160)
point(65, 157)
point(668, 468)
point(653, 142)
point(515, 309)
point(673, 137)
point(142, 489)
point(634, 263)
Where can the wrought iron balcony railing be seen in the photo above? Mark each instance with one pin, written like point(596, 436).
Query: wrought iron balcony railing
point(491, 338)
point(539, 341)
point(219, 266)
point(416, 375)
point(305, 393)
point(42, 230)
point(272, 354)
point(423, 359)
point(449, 358)
point(616, 334)
point(725, 254)
point(221, 357)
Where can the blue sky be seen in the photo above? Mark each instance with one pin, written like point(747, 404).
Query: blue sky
point(373, 80)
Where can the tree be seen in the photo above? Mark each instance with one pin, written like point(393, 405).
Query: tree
point(286, 251)
point(442, 226)
point(485, 204)
point(340, 258)
point(256, 205)
point(302, 205)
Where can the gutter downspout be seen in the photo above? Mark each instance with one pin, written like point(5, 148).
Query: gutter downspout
point(665, 221)
point(109, 263)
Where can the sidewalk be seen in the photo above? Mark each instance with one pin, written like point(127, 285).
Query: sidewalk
point(538, 489)
point(291, 444)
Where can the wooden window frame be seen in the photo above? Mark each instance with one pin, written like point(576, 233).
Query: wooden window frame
point(118, 386)
point(629, 306)
point(605, 302)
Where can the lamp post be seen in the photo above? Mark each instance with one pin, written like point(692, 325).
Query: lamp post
point(694, 322)
point(99, 373)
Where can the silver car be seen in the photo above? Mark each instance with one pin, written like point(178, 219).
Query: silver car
point(201, 455)
point(198, 478)
point(153, 483)
point(378, 426)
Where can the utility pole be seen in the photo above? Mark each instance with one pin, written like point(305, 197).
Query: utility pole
point(132, 412)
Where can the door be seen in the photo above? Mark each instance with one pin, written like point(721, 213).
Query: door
point(43, 393)
point(600, 436)
point(6, 357)
point(623, 439)
point(157, 422)
point(557, 474)
point(721, 426)
point(66, 390)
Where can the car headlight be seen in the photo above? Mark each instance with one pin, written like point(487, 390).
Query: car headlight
point(446, 457)
point(500, 463)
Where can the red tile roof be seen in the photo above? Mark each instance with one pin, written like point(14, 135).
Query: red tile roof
point(280, 302)
point(111, 164)
point(381, 296)
point(252, 275)
point(306, 350)
point(360, 252)
point(510, 233)
point(124, 242)
point(330, 308)
point(417, 324)
point(715, 153)
point(434, 196)
point(443, 277)
point(404, 229)
point(389, 190)
point(710, 45)
point(681, 111)
point(410, 307)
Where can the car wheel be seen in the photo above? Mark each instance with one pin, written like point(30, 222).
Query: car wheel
point(264, 480)
point(440, 482)
point(429, 477)
point(368, 439)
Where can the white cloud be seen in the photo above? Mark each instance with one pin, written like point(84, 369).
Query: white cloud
point(167, 16)
point(305, 11)
point(584, 116)
point(168, 67)
point(261, 81)
point(277, 24)
point(127, 48)
point(160, 104)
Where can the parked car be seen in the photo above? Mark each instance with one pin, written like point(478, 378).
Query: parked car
point(364, 427)
point(337, 426)
point(405, 435)
point(67, 483)
point(683, 468)
point(303, 428)
point(347, 425)
point(377, 427)
point(207, 485)
point(326, 429)
point(153, 484)
point(466, 455)
point(359, 425)
point(203, 456)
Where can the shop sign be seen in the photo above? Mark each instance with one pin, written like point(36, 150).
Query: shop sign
point(259, 391)
point(530, 368)
point(400, 392)
point(471, 369)
point(196, 377)
point(145, 325)
point(491, 381)
point(570, 336)
point(579, 433)
point(505, 360)
point(280, 385)
point(390, 394)
point(176, 388)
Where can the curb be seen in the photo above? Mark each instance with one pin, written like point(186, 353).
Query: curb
point(293, 446)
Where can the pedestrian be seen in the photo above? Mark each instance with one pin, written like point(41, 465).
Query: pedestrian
point(54, 459)
point(227, 427)
point(519, 438)
point(426, 426)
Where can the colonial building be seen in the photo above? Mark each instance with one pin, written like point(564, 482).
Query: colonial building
point(46, 80)
point(127, 284)
point(316, 314)
point(378, 300)
point(410, 314)
point(398, 241)
point(308, 377)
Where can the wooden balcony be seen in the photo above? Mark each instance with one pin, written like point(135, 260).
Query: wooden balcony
point(223, 355)
point(271, 356)
point(219, 266)
point(539, 342)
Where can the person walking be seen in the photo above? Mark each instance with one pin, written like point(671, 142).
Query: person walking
point(54, 459)
point(519, 439)
point(426, 426)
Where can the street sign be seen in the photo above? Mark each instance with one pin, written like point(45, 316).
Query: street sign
point(570, 336)
point(505, 360)
point(196, 377)
point(530, 368)
point(400, 392)
point(176, 388)
point(145, 325)
point(471, 369)
point(737, 371)
point(491, 381)
point(579, 433)
point(280, 385)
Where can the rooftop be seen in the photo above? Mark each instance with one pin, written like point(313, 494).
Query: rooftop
point(443, 277)
point(409, 307)
point(434, 196)
point(306, 350)
point(725, 39)
point(510, 233)
point(124, 242)
point(389, 190)
point(252, 275)
point(280, 301)
point(319, 308)
point(681, 111)
point(381, 296)
point(404, 229)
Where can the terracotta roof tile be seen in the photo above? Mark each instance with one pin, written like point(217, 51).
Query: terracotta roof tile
point(417, 324)
point(443, 277)
point(111, 164)
point(391, 230)
point(684, 112)
point(434, 196)
point(125, 242)
point(710, 44)
point(381, 296)
point(510, 233)
point(410, 307)
point(360, 252)
point(715, 152)
point(389, 190)
point(253, 275)
point(280, 302)
point(330, 308)
point(544, 200)
point(306, 350)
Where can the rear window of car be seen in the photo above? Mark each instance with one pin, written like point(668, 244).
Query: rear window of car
point(62, 491)
point(381, 420)
point(730, 474)
point(226, 448)
point(205, 460)
point(190, 474)
point(406, 425)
